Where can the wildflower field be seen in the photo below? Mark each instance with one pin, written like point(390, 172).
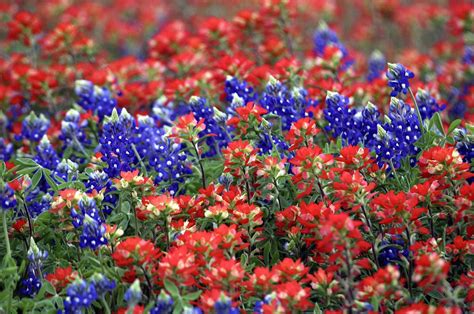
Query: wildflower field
point(274, 156)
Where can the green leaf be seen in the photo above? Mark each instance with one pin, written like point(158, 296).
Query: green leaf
point(317, 309)
point(171, 288)
point(454, 125)
point(192, 296)
point(438, 122)
point(3, 167)
point(50, 180)
point(49, 287)
point(28, 170)
point(26, 162)
point(35, 180)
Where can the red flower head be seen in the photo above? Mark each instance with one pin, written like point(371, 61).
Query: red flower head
point(61, 277)
point(187, 128)
point(384, 284)
point(289, 270)
point(272, 167)
point(293, 296)
point(135, 251)
point(160, 206)
point(430, 270)
point(323, 281)
point(443, 163)
point(179, 265)
point(302, 133)
point(354, 157)
point(224, 274)
point(396, 208)
point(239, 156)
point(23, 27)
point(248, 118)
point(351, 188)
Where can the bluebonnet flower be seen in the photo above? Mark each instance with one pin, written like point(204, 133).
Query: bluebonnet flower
point(427, 104)
point(6, 150)
point(242, 89)
point(46, 156)
point(224, 306)
point(169, 161)
point(464, 144)
point(98, 100)
point(458, 106)
point(398, 78)
point(87, 206)
point(288, 105)
point(376, 65)
point(167, 158)
point(7, 197)
point(80, 296)
point(30, 285)
point(102, 284)
point(66, 170)
point(99, 180)
point(212, 117)
point(162, 113)
point(341, 119)
point(38, 201)
point(392, 251)
point(146, 137)
point(468, 57)
point(368, 120)
point(73, 132)
point(268, 142)
point(116, 142)
point(35, 255)
point(258, 308)
point(133, 295)
point(93, 233)
point(164, 304)
point(397, 137)
point(37, 207)
point(324, 37)
point(34, 127)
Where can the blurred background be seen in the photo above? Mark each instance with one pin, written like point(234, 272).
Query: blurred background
point(123, 27)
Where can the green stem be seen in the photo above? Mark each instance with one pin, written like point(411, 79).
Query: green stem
point(142, 164)
point(395, 173)
point(106, 306)
point(5, 233)
point(198, 156)
point(417, 109)
point(278, 194)
point(410, 267)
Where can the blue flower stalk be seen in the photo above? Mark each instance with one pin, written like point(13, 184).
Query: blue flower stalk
point(399, 79)
point(133, 295)
point(35, 127)
point(79, 296)
point(163, 305)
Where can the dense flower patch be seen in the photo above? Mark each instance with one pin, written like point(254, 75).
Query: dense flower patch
point(151, 164)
